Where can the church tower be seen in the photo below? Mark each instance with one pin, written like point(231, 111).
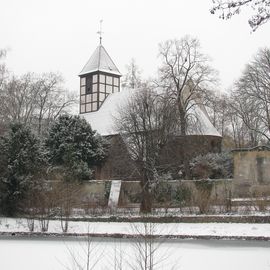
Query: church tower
point(99, 78)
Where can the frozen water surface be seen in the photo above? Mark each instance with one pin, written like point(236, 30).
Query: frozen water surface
point(51, 253)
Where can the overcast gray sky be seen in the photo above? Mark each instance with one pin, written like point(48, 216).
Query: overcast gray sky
point(60, 35)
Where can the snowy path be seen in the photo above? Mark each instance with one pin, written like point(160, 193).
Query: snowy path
point(212, 229)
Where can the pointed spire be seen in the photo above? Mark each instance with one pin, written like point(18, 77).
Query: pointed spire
point(100, 61)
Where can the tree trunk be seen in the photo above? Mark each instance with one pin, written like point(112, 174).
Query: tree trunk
point(186, 159)
point(185, 142)
point(146, 200)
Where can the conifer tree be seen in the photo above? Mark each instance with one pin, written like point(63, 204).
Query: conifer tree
point(22, 159)
point(74, 147)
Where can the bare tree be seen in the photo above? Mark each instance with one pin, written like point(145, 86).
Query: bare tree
point(145, 252)
point(227, 9)
point(147, 249)
point(239, 131)
point(68, 198)
point(3, 69)
point(18, 99)
point(3, 77)
point(245, 120)
point(34, 99)
point(146, 122)
point(184, 73)
point(88, 256)
point(251, 97)
point(132, 78)
point(52, 99)
point(47, 202)
point(235, 117)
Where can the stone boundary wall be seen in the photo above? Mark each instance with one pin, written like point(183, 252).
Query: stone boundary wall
point(170, 193)
point(251, 172)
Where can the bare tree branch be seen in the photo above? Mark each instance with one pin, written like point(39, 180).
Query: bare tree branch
point(227, 9)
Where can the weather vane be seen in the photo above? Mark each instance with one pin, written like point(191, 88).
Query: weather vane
point(100, 31)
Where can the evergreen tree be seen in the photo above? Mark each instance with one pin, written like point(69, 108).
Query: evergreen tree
point(74, 147)
point(22, 158)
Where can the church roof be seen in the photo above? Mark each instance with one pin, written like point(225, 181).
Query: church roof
point(103, 120)
point(100, 61)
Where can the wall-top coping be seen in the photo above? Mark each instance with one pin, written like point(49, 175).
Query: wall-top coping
point(256, 148)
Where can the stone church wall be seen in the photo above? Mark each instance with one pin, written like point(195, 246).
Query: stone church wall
point(193, 146)
point(119, 164)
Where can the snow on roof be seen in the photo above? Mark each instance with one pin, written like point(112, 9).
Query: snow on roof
point(202, 125)
point(103, 120)
point(100, 61)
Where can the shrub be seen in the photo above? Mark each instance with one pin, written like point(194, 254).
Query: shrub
point(204, 190)
point(212, 166)
point(162, 192)
point(182, 194)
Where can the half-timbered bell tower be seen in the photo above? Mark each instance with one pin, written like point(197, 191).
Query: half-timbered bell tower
point(99, 78)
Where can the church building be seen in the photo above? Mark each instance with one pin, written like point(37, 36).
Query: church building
point(100, 98)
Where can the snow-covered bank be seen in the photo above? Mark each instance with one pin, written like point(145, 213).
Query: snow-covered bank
point(230, 230)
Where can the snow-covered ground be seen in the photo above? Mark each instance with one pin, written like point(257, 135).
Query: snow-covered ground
point(212, 229)
point(36, 252)
point(44, 254)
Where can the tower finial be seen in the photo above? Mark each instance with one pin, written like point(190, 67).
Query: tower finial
point(100, 31)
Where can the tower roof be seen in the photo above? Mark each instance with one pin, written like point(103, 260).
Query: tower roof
point(100, 61)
